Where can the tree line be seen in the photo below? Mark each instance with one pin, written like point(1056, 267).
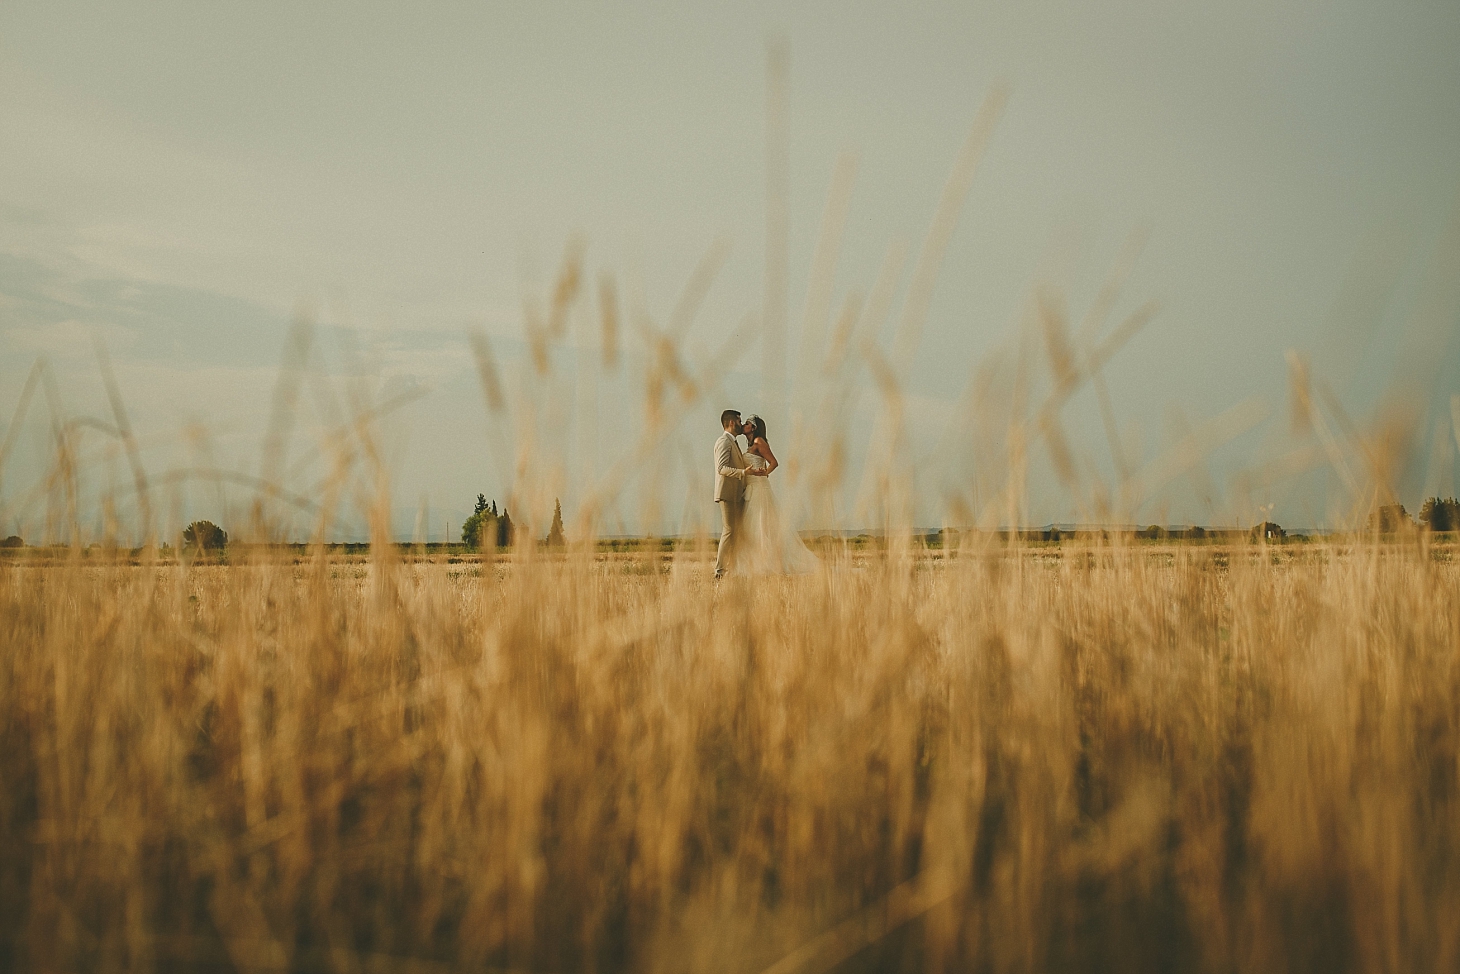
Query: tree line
point(488, 527)
point(1435, 513)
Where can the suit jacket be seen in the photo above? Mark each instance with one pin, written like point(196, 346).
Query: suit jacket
point(729, 470)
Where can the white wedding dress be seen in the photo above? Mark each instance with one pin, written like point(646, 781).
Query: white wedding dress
point(769, 545)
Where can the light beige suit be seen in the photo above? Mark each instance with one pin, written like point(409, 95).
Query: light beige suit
point(730, 495)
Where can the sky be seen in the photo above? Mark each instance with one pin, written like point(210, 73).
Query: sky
point(179, 182)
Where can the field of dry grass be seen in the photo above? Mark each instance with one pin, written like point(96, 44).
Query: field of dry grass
point(1126, 759)
point(1066, 756)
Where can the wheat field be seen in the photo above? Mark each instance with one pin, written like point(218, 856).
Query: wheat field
point(1083, 758)
point(992, 756)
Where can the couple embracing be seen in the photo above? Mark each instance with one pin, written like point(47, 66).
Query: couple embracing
point(756, 540)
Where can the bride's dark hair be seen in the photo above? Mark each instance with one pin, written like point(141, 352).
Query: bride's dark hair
point(759, 429)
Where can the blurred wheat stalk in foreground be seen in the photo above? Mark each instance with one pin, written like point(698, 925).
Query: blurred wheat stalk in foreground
point(1150, 759)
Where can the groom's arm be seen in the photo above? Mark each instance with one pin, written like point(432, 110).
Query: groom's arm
point(725, 460)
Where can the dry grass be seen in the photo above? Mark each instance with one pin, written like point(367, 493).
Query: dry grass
point(1127, 759)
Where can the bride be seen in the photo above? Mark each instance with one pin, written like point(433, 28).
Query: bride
point(769, 545)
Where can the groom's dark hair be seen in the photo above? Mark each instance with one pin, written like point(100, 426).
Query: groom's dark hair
point(728, 415)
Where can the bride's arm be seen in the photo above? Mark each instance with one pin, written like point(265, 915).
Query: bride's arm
point(764, 449)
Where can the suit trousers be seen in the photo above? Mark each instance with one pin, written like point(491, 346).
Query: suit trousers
point(732, 511)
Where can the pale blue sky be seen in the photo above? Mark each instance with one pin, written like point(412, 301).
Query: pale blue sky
point(177, 177)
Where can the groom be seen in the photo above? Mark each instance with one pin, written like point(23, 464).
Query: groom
point(730, 474)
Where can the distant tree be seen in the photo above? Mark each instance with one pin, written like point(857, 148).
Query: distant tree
point(12, 542)
point(481, 526)
point(555, 537)
point(204, 536)
point(486, 526)
point(1440, 515)
point(1389, 518)
point(1268, 531)
point(1196, 531)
